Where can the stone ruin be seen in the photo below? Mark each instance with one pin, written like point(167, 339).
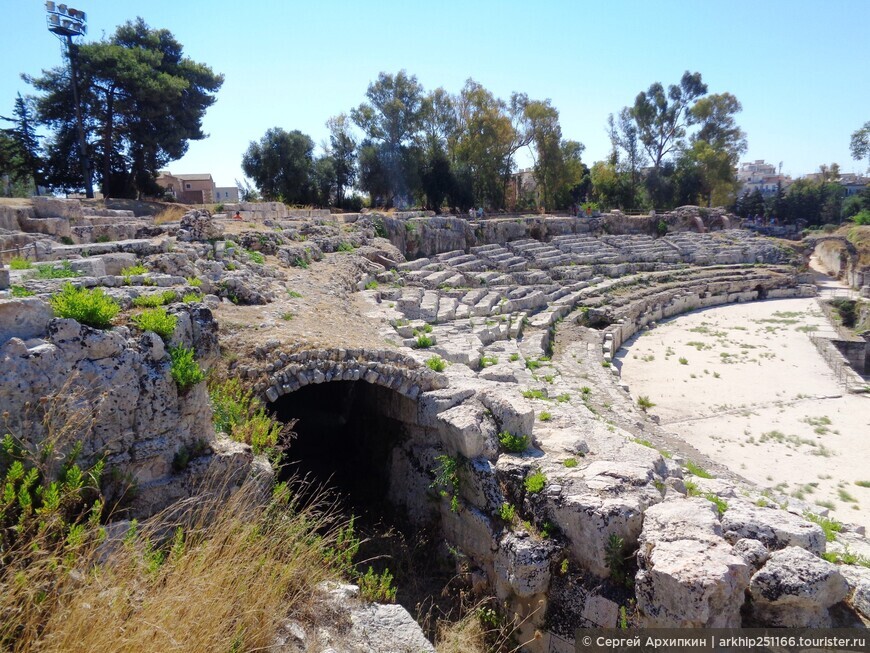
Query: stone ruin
point(488, 298)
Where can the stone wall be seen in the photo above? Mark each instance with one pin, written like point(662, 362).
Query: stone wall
point(113, 391)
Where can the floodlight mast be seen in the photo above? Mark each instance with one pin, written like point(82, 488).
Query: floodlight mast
point(66, 23)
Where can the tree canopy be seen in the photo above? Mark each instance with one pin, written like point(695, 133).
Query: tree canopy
point(142, 99)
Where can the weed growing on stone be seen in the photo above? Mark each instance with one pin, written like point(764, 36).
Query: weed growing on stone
point(514, 357)
point(423, 342)
point(436, 363)
point(507, 513)
point(535, 482)
point(294, 294)
point(696, 470)
point(513, 443)
point(255, 257)
point(377, 588)
point(563, 398)
point(830, 526)
point(683, 360)
point(534, 394)
point(185, 371)
point(131, 271)
point(21, 291)
point(191, 298)
point(532, 364)
point(487, 361)
point(570, 462)
point(605, 363)
point(51, 271)
point(545, 416)
point(156, 320)
point(19, 263)
point(91, 307)
point(155, 300)
point(614, 558)
point(287, 316)
point(447, 479)
point(194, 282)
point(862, 483)
point(371, 285)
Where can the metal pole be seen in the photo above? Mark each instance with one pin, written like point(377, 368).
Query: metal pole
point(83, 148)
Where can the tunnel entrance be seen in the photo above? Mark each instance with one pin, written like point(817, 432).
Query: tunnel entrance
point(363, 442)
point(344, 438)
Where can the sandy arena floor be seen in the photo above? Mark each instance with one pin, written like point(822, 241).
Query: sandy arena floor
point(745, 385)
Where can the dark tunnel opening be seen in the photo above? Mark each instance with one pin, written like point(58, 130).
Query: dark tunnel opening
point(343, 440)
point(348, 435)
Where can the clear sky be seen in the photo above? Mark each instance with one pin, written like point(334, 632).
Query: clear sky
point(800, 68)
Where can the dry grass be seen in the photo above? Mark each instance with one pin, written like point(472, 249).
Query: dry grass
point(171, 213)
point(218, 572)
point(215, 576)
point(465, 636)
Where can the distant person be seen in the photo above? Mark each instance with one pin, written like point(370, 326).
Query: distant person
point(237, 216)
point(471, 213)
point(479, 211)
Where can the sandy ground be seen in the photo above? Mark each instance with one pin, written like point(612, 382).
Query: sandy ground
point(745, 385)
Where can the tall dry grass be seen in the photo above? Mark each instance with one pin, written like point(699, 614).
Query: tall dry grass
point(215, 574)
point(171, 213)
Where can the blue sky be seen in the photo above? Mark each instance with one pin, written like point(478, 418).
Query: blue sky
point(800, 68)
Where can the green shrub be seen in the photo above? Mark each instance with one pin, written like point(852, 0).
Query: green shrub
point(436, 363)
point(614, 558)
point(191, 298)
point(423, 342)
point(19, 263)
point(21, 291)
point(513, 443)
point(66, 240)
point(446, 481)
point(644, 402)
point(156, 320)
point(721, 504)
point(294, 294)
point(156, 299)
point(131, 271)
point(345, 247)
point(570, 462)
point(514, 357)
point(256, 257)
point(683, 360)
point(50, 271)
point(91, 307)
point(507, 513)
point(532, 364)
point(242, 416)
point(377, 588)
point(862, 217)
point(545, 416)
point(564, 397)
point(535, 482)
point(185, 371)
point(372, 285)
point(534, 394)
point(830, 526)
point(102, 239)
point(194, 282)
point(487, 361)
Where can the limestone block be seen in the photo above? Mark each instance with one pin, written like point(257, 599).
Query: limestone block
point(753, 552)
point(795, 589)
point(478, 485)
point(55, 207)
point(470, 531)
point(92, 267)
point(117, 261)
point(688, 576)
point(4, 278)
point(588, 521)
point(468, 430)
point(776, 529)
point(511, 412)
point(859, 584)
point(24, 318)
point(522, 566)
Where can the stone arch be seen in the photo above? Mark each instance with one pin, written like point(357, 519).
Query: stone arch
point(815, 241)
point(382, 367)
